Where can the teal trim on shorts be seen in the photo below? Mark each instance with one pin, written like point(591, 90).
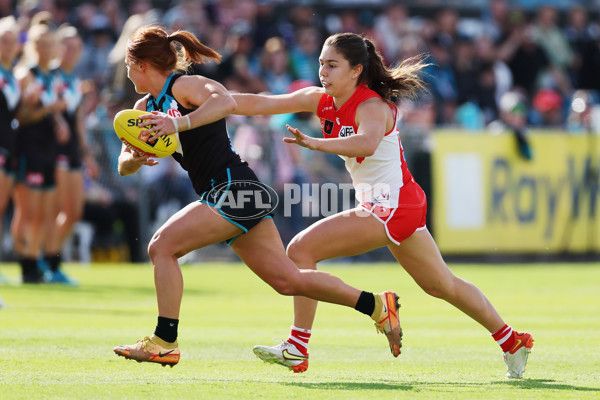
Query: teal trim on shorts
point(222, 198)
point(233, 239)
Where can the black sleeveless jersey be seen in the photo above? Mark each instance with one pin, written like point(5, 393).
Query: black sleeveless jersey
point(69, 86)
point(10, 95)
point(39, 139)
point(204, 152)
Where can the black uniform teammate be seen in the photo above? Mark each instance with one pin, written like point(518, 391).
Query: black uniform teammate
point(194, 108)
point(10, 96)
point(70, 193)
point(41, 127)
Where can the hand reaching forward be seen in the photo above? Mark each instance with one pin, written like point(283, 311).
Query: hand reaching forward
point(300, 138)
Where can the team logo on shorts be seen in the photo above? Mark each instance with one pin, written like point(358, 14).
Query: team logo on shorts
point(243, 199)
point(34, 179)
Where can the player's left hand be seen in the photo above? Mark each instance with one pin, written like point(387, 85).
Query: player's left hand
point(162, 124)
point(300, 138)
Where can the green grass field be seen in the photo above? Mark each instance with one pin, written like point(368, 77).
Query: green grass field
point(56, 341)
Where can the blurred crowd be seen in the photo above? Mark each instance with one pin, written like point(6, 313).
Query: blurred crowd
point(484, 66)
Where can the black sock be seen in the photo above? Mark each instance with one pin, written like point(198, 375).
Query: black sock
point(53, 261)
point(365, 303)
point(29, 270)
point(166, 329)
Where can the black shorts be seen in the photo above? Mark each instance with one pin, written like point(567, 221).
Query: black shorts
point(8, 162)
point(239, 197)
point(36, 173)
point(69, 161)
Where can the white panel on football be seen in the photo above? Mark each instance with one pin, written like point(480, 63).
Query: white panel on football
point(464, 191)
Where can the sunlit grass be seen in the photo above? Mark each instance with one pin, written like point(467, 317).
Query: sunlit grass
point(57, 341)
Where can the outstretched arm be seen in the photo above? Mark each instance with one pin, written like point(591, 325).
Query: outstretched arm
point(373, 118)
point(306, 99)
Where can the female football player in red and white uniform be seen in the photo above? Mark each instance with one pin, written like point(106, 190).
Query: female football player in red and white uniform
point(194, 109)
point(359, 124)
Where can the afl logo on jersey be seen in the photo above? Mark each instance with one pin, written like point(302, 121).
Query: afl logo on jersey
point(328, 127)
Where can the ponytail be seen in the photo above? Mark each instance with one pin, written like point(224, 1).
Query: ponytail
point(154, 45)
point(195, 50)
point(401, 81)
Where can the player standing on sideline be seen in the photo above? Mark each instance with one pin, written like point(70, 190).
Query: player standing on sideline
point(41, 128)
point(194, 109)
point(359, 124)
point(10, 96)
point(70, 195)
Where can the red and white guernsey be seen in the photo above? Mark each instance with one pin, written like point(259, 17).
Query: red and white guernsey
point(379, 178)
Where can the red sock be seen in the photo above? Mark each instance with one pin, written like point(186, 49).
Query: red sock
point(505, 337)
point(299, 337)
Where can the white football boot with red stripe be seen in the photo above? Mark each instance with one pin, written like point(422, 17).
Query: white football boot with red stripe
point(285, 353)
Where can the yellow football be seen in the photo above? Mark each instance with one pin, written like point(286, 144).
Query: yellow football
point(126, 127)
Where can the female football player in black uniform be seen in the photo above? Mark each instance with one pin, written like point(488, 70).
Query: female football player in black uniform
point(41, 127)
point(70, 195)
point(234, 206)
point(10, 96)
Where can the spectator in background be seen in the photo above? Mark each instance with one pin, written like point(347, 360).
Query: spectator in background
point(140, 6)
point(525, 58)
point(579, 119)
point(495, 21)
point(487, 53)
point(392, 26)
point(588, 75)
point(513, 119)
point(266, 23)
point(302, 15)
point(274, 66)
point(187, 15)
point(486, 92)
point(446, 24)
point(115, 15)
point(440, 78)
point(216, 38)
point(239, 69)
point(580, 33)
point(551, 39)
point(94, 60)
point(465, 69)
point(547, 108)
point(303, 54)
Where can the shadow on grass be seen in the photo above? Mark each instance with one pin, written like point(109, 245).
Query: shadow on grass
point(113, 291)
point(546, 384)
point(350, 385)
point(406, 386)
